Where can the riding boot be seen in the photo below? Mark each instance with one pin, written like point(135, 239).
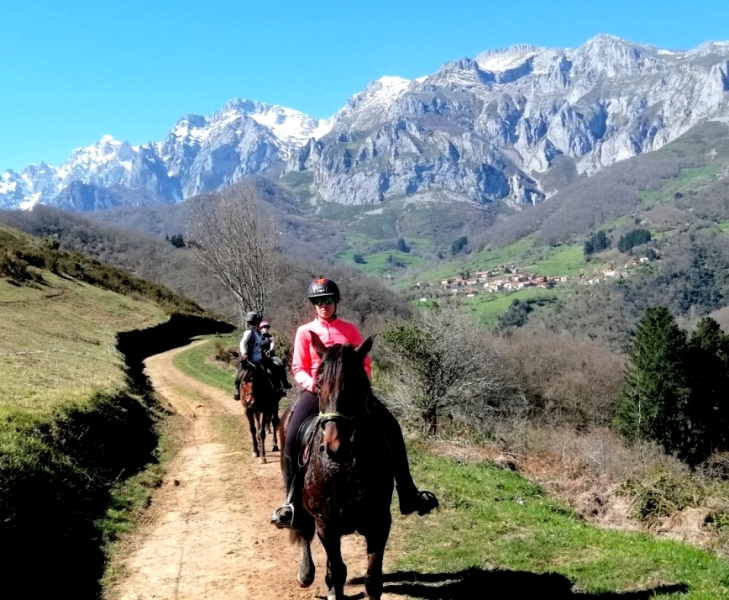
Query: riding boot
point(284, 515)
point(411, 499)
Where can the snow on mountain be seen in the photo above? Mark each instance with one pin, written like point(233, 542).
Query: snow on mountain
point(498, 61)
point(243, 138)
point(374, 102)
point(483, 128)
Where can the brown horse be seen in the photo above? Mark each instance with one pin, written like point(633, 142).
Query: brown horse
point(348, 481)
point(261, 405)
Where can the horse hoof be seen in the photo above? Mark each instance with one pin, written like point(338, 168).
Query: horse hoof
point(274, 449)
point(262, 460)
point(255, 455)
point(306, 580)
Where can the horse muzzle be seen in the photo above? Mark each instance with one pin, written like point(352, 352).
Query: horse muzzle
point(336, 448)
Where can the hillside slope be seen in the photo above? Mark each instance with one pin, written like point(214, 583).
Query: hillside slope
point(76, 416)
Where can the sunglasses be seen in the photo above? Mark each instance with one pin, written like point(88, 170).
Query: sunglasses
point(326, 300)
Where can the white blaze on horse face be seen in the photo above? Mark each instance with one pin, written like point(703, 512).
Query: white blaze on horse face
point(330, 439)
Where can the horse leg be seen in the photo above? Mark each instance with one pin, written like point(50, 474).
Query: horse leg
point(262, 423)
point(275, 432)
point(307, 569)
point(336, 569)
point(252, 426)
point(376, 542)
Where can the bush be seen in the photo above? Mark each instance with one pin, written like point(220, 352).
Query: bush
point(567, 380)
point(443, 366)
point(662, 495)
point(176, 240)
point(226, 354)
point(359, 259)
point(402, 246)
point(15, 269)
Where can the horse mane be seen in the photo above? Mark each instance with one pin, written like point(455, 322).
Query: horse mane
point(341, 363)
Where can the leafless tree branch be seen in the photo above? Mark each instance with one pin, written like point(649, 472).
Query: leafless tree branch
point(235, 241)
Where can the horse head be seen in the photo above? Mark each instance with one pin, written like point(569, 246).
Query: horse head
point(343, 388)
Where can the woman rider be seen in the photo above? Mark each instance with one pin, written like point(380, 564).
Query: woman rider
point(324, 295)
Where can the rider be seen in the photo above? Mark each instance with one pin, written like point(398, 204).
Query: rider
point(274, 363)
point(250, 349)
point(324, 295)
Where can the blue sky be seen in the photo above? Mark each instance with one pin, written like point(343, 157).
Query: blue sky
point(75, 70)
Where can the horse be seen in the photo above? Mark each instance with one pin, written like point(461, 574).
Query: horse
point(348, 481)
point(261, 407)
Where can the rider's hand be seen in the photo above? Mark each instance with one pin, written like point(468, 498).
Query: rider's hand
point(244, 358)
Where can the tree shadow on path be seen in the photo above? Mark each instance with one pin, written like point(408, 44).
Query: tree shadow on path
point(501, 584)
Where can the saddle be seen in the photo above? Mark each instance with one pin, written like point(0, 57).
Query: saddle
point(304, 439)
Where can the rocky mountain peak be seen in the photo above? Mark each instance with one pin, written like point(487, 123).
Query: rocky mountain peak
point(484, 129)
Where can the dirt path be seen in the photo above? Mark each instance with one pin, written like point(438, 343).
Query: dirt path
point(207, 534)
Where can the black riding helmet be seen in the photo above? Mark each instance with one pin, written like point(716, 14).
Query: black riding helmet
point(321, 287)
point(253, 318)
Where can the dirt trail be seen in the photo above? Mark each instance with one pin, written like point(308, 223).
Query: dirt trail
point(207, 534)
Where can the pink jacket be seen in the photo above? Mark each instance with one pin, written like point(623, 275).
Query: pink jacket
point(306, 361)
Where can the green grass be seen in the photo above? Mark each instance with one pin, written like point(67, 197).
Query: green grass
point(488, 307)
point(377, 264)
point(688, 179)
point(494, 519)
point(565, 260)
point(196, 363)
point(57, 341)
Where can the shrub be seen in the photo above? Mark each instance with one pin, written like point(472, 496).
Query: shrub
point(567, 380)
point(402, 246)
point(15, 269)
point(443, 366)
point(359, 259)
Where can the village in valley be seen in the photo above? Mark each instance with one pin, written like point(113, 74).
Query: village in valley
point(506, 278)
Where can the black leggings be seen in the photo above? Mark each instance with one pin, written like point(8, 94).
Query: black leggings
point(308, 404)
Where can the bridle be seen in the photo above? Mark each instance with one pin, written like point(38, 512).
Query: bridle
point(327, 417)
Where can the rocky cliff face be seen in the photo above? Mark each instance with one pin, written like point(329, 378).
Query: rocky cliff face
point(482, 129)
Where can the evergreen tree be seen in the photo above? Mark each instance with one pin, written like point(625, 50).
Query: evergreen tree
point(709, 368)
point(596, 242)
point(657, 393)
point(636, 237)
point(402, 245)
point(458, 244)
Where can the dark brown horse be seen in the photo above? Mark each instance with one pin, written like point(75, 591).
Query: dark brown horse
point(348, 481)
point(261, 405)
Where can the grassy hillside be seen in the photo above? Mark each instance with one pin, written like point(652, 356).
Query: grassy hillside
point(76, 419)
point(58, 341)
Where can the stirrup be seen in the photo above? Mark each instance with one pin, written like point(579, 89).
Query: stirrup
point(283, 516)
point(426, 502)
point(421, 502)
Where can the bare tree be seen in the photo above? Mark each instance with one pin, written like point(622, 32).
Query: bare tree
point(235, 241)
point(445, 365)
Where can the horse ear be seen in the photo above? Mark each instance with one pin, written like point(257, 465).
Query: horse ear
point(317, 344)
point(364, 348)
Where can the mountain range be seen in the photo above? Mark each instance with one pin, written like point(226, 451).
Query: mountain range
point(510, 126)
